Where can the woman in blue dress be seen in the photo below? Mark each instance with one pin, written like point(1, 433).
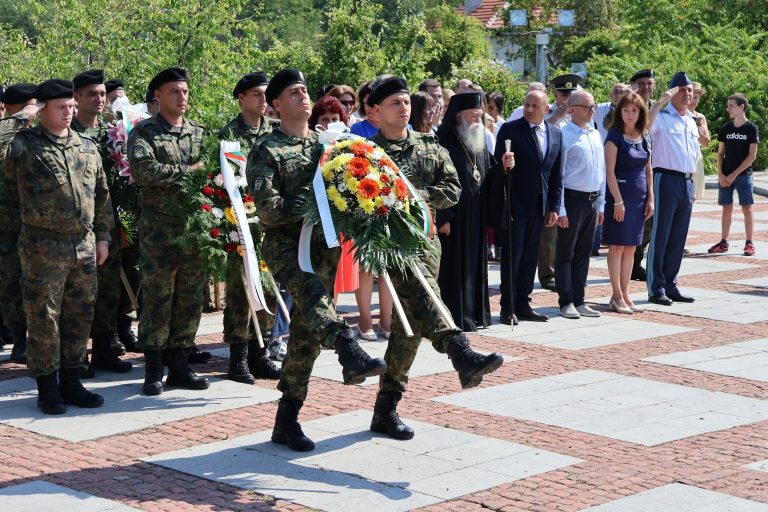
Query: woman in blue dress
point(630, 201)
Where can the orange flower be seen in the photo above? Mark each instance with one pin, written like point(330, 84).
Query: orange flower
point(361, 148)
point(401, 191)
point(368, 188)
point(386, 162)
point(358, 167)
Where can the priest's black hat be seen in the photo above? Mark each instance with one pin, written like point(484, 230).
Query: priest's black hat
point(281, 81)
point(388, 87)
point(459, 102)
point(54, 89)
point(680, 79)
point(248, 81)
point(643, 73)
point(168, 75)
point(18, 93)
point(93, 76)
point(113, 85)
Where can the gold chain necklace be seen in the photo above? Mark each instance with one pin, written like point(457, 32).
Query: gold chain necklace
point(475, 171)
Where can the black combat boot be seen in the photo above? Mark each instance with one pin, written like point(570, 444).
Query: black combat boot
point(197, 356)
point(287, 429)
point(180, 374)
point(125, 333)
point(259, 363)
point(19, 350)
point(471, 365)
point(115, 345)
point(6, 335)
point(48, 396)
point(153, 372)
point(355, 362)
point(102, 356)
point(73, 392)
point(238, 364)
point(385, 418)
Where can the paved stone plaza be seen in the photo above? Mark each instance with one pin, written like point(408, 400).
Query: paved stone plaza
point(664, 411)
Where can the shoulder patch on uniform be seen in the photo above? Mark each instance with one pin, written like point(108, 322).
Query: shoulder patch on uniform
point(138, 151)
point(259, 183)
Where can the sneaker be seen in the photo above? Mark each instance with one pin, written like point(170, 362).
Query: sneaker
point(585, 310)
point(749, 249)
point(570, 311)
point(719, 248)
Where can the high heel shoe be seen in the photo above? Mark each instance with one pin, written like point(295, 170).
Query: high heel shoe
point(369, 335)
point(624, 310)
point(636, 309)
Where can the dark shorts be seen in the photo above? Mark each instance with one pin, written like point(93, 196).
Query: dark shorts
point(742, 185)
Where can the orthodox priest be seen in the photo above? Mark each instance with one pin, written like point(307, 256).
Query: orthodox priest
point(463, 277)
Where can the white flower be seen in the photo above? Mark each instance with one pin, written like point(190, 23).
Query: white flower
point(219, 180)
point(342, 187)
point(234, 236)
point(217, 212)
point(390, 199)
point(241, 182)
point(249, 207)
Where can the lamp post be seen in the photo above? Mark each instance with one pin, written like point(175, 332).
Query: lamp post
point(519, 18)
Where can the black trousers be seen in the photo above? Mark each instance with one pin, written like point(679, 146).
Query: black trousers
point(518, 266)
point(574, 247)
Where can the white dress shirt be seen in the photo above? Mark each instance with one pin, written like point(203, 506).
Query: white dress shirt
point(675, 141)
point(583, 162)
point(600, 112)
point(541, 134)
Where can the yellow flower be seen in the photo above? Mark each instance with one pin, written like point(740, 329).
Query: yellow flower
point(344, 144)
point(263, 266)
point(350, 182)
point(367, 205)
point(335, 166)
point(240, 250)
point(229, 213)
point(335, 197)
point(379, 201)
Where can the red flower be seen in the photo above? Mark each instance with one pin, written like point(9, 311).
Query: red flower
point(220, 193)
point(208, 191)
point(215, 233)
point(382, 210)
point(368, 188)
point(206, 207)
point(385, 191)
point(358, 167)
point(231, 247)
point(210, 176)
point(248, 198)
point(361, 148)
point(401, 190)
point(385, 179)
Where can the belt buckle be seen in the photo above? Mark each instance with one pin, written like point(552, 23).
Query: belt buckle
point(594, 196)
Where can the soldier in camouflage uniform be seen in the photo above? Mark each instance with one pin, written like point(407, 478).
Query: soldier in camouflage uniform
point(280, 168)
point(90, 95)
point(55, 179)
point(161, 151)
point(247, 362)
point(21, 110)
point(427, 164)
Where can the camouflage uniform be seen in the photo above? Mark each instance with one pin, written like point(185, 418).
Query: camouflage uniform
point(429, 167)
point(172, 278)
point(61, 192)
point(11, 302)
point(237, 327)
point(280, 167)
point(110, 285)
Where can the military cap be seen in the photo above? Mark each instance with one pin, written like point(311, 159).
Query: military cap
point(93, 76)
point(248, 81)
point(680, 79)
point(387, 88)
point(566, 83)
point(18, 93)
point(643, 73)
point(149, 97)
point(54, 89)
point(168, 75)
point(113, 85)
point(281, 81)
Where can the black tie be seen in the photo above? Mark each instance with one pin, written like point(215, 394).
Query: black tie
point(535, 129)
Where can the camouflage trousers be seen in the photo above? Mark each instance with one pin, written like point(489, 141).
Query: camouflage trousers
point(59, 289)
point(172, 280)
point(108, 298)
point(314, 322)
point(11, 303)
point(425, 320)
point(238, 325)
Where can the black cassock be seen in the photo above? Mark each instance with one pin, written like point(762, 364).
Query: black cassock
point(463, 276)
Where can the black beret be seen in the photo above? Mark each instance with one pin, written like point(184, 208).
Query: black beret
point(248, 81)
point(93, 76)
point(282, 80)
point(566, 83)
point(18, 93)
point(168, 75)
point(680, 79)
point(54, 89)
point(2, 91)
point(113, 85)
point(387, 88)
point(149, 97)
point(643, 73)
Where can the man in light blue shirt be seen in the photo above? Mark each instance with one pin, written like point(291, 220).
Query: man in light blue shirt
point(581, 209)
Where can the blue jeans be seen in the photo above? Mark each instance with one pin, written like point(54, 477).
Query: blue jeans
point(742, 185)
point(280, 327)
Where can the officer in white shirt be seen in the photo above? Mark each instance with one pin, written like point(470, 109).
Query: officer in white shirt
point(583, 165)
point(675, 152)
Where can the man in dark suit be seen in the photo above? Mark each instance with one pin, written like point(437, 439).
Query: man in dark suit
point(528, 200)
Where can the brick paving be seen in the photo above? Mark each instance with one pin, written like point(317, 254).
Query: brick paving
point(114, 467)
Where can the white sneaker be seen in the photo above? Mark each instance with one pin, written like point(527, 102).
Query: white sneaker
point(369, 335)
point(569, 311)
point(585, 310)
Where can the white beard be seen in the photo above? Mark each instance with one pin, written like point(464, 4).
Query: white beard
point(472, 135)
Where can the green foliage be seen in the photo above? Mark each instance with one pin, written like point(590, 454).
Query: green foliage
point(457, 39)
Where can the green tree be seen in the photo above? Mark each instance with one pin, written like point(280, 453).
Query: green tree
point(456, 38)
